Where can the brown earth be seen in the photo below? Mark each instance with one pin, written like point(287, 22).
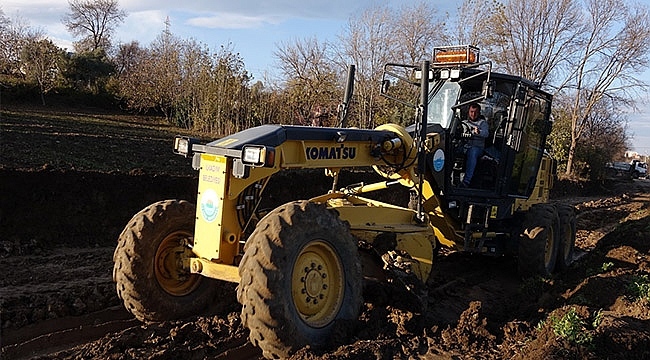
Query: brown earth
point(59, 223)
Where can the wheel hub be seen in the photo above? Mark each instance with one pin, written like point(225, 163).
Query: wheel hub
point(170, 273)
point(317, 284)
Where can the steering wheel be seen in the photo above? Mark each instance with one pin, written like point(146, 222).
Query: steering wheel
point(463, 131)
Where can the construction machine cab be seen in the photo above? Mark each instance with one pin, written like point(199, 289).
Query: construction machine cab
point(507, 178)
point(517, 111)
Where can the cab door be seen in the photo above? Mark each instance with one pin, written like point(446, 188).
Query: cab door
point(528, 125)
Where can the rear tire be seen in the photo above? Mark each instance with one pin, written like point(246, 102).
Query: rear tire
point(567, 235)
point(148, 270)
point(539, 241)
point(300, 274)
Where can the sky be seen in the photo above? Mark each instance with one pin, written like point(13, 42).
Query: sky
point(253, 28)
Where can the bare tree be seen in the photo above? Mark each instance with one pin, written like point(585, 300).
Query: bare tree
point(533, 38)
point(381, 35)
point(474, 23)
point(150, 78)
point(604, 139)
point(417, 29)
point(94, 21)
point(134, 86)
point(229, 93)
point(182, 79)
point(5, 44)
point(310, 80)
point(14, 35)
point(164, 73)
point(127, 57)
point(5, 22)
point(368, 42)
point(614, 49)
point(266, 105)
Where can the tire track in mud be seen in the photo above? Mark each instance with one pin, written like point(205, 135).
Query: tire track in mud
point(600, 216)
point(51, 339)
point(57, 334)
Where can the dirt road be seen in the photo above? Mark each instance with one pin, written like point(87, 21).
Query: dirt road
point(59, 302)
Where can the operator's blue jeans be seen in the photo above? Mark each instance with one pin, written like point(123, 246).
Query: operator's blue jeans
point(473, 153)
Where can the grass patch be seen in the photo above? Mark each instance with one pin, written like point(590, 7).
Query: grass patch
point(639, 288)
point(572, 328)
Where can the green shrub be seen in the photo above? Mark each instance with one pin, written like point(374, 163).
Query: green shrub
point(607, 266)
point(640, 287)
point(572, 328)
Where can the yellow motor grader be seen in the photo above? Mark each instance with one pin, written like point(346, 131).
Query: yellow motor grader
point(300, 267)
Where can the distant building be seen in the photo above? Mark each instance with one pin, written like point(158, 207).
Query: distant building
point(633, 155)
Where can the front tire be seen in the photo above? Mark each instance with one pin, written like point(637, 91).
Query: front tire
point(148, 270)
point(300, 274)
point(539, 241)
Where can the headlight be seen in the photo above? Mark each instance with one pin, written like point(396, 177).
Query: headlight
point(256, 155)
point(183, 145)
point(418, 74)
point(253, 155)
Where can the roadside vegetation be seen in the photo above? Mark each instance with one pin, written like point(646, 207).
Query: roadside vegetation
point(587, 53)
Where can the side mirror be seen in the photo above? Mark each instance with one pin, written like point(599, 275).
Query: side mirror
point(488, 89)
point(385, 84)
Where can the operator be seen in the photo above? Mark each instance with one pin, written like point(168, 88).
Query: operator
point(475, 145)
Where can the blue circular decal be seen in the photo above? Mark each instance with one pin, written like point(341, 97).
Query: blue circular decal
point(209, 205)
point(438, 160)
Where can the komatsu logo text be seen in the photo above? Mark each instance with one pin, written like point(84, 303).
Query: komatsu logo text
point(331, 152)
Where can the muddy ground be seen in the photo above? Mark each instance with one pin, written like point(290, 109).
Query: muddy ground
point(58, 228)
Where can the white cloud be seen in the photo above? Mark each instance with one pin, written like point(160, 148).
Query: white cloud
point(40, 15)
point(65, 44)
point(142, 26)
point(255, 8)
point(231, 21)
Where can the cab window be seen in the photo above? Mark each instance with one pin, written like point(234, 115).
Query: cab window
point(440, 106)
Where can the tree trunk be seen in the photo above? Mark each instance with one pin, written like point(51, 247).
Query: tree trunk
point(42, 91)
point(572, 150)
